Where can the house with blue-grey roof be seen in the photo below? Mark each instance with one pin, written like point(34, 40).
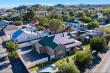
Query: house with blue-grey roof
point(73, 23)
point(25, 35)
point(57, 45)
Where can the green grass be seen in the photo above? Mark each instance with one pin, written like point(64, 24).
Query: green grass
point(68, 59)
point(34, 68)
point(86, 47)
point(105, 28)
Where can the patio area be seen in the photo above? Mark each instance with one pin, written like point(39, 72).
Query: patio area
point(31, 58)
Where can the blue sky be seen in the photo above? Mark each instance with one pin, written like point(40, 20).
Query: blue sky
point(15, 3)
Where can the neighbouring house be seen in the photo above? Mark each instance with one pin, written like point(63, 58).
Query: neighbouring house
point(57, 45)
point(100, 15)
point(42, 12)
point(25, 35)
point(3, 22)
point(73, 23)
point(93, 33)
point(9, 29)
point(35, 22)
point(49, 69)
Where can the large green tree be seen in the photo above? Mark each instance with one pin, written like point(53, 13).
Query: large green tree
point(98, 44)
point(56, 25)
point(29, 16)
point(93, 24)
point(43, 21)
point(83, 59)
point(68, 68)
point(18, 23)
point(17, 18)
point(66, 17)
point(85, 19)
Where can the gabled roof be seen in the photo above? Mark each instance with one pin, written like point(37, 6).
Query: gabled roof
point(54, 40)
point(17, 33)
point(48, 41)
point(10, 27)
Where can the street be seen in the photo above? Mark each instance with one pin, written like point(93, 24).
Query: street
point(104, 66)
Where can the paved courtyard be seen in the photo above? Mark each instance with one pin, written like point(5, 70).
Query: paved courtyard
point(29, 56)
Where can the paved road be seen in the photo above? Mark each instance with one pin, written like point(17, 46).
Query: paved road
point(104, 66)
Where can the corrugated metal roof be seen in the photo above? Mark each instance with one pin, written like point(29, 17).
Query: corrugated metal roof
point(48, 41)
point(17, 33)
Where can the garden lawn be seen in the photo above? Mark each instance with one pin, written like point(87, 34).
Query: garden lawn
point(86, 47)
point(105, 28)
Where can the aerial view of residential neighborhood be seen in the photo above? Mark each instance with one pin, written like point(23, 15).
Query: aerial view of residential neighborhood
point(54, 36)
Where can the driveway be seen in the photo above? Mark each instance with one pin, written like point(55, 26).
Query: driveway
point(9, 66)
point(5, 66)
point(30, 57)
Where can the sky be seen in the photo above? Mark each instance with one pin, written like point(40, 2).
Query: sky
point(15, 3)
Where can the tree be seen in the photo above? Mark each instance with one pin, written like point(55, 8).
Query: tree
point(56, 25)
point(83, 59)
point(11, 46)
point(85, 19)
point(29, 16)
point(58, 17)
point(107, 37)
point(17, 18)
point(65, 17)
point(11, 10)
point(18, 23)
point(68, 68)
point(71, 13)
point(1, 17)
point(81, 14)
point(5, 18)
point(13, 55)
point(43, 21)
point(93, 24)
point(40, 27)
point(98, 44)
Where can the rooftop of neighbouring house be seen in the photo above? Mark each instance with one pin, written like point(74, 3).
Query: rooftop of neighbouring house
point(31, 31)
point(10, 27)
point(17, 33)
point(93, 32)
point(54, 40)
point(49, 69)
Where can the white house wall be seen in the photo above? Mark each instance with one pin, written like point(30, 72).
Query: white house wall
point(25, 37)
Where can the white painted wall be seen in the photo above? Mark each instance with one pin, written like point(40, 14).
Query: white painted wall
point(24, 45)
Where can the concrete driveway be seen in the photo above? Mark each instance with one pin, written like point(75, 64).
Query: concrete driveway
point(5, 66)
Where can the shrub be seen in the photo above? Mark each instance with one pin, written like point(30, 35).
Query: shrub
point(18, 23)
point(98, 44)
point(68, 68)
point(13, 55)
point(40, 27)
point(11, 46)
point(83, 59)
